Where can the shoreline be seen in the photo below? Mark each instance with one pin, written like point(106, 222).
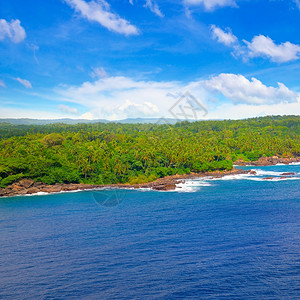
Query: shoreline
point(26, 187)
point(30, 187)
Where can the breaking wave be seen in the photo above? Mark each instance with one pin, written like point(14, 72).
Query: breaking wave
point(190, 186)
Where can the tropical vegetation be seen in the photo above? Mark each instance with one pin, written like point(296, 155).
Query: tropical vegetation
point(135, 153)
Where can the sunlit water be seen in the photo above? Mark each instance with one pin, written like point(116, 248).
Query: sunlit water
point(231, 238)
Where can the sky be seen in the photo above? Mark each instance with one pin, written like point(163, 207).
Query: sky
point(117, 59)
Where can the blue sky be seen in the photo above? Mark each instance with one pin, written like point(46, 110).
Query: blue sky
point(114, 59)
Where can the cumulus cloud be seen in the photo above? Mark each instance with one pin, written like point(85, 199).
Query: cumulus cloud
point(119, 97)
point(224, 37)
point(24, 82)
point(152, 5)
point(239, 89)
point(2, 84)
point(262, 46)
point(138, 110)
point(67, 109)
point(12, 30)
point(211, 5)
point(100, 12)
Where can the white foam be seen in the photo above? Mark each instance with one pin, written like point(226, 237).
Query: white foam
point(191, 186)
point(295, 163)
point(233, 177)
point(260, 172)
point(36, 194)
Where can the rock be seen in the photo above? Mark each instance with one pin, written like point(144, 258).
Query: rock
point(165, 187)
point(33, 190)
point(268, 178)
point(283, 177)
point(26, 183)
point(252, 172)
point(51, 189)
point(288, 173)
point(38, 184)
point(16, 187)
point(263, 161)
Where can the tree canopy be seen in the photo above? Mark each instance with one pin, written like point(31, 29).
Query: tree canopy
point(135, 153)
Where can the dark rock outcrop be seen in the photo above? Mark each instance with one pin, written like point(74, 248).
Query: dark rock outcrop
point(269, 161)
point(288, 174)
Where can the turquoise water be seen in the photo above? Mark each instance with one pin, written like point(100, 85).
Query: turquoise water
point(233, 238)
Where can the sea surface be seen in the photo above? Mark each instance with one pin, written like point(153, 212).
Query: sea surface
point(232, 238)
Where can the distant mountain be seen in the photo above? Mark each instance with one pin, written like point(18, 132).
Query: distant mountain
point(26, 121)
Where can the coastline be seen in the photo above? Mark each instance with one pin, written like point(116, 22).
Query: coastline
point(268, 161)
point(30, 187)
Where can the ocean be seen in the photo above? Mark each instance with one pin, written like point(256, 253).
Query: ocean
point(237, 237)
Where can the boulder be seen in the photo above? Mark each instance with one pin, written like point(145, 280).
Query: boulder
point(26, 183)
point(288, 174)
point(16, 187)
point(165, 187)
point(33, 190)
point(51, 189)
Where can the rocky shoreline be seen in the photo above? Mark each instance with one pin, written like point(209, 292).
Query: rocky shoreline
point(269, 161)
point(29, 186)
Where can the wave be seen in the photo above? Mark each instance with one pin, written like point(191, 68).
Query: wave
point(260, 172)
point(190, 186)
point(35, 194)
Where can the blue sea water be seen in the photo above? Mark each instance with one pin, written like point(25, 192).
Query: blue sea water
point(231, 238)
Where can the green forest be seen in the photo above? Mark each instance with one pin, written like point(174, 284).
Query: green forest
point(137, 153)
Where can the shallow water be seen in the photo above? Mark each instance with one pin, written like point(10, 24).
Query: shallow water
point(231, 238)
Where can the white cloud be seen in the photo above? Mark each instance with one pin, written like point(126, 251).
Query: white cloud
point(262, 46)
point(152, 5)
point(24, 82)
point(297, 2)
point(223, 96)
point(67, 109)
point(100, 12)
point(138, 110)
point(12, 30)
point(98, 72)
point(211, 5)
point(87, 116)
point(121, 97)
point(239, 89)
point(2, 84)
point(242, 111)
point(223, 37)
